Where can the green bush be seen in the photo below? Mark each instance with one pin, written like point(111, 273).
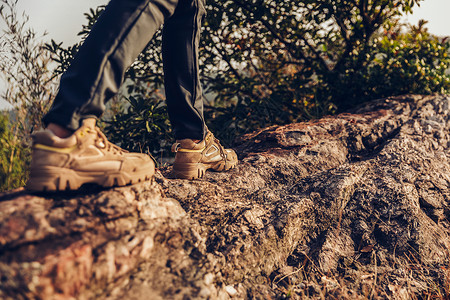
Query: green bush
point(142, 126)
point(14, 157)
point(400, 59)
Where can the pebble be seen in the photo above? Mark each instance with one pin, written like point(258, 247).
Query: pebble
point(230, 290)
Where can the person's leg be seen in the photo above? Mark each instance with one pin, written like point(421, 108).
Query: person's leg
point(96, 73)
point(72, 151)
point(181, 35)
point(196, 148)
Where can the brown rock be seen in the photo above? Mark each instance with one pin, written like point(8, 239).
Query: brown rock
point(355, 205)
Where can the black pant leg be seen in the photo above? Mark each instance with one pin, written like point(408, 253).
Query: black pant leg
point(181, 35)
point(96, 73)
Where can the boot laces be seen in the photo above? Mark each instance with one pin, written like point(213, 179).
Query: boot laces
point(103, 142)
point(221, 148)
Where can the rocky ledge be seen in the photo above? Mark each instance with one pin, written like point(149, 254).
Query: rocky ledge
point(352, 206)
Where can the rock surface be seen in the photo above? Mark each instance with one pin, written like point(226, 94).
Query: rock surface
point(352, 206)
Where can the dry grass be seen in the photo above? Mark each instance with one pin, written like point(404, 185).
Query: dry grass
point(405, 278)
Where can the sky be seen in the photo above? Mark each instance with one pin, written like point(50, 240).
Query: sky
point(63, 19)
point(436, 12)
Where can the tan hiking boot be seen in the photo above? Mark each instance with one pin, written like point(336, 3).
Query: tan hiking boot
point(193, 159)
point(84, 157)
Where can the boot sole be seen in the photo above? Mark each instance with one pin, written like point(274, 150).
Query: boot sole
point(48, 179)
point(197, 170)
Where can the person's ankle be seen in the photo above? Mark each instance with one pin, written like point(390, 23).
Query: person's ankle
point(59, 131)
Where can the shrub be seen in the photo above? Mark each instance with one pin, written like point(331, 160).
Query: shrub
point(142, 126)
point(26, 68)
point(399, 59)
point(14, 157)
point(30, 86)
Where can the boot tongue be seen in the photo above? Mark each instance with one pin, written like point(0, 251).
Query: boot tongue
point(90, 123)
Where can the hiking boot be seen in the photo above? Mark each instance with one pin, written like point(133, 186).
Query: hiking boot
point(193, 159)
point(84, 157)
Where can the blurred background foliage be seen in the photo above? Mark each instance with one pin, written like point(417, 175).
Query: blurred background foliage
point(266, 62)
point(14, 157)
point(26, 68)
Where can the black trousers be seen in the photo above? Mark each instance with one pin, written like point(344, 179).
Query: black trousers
point(119, 36)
